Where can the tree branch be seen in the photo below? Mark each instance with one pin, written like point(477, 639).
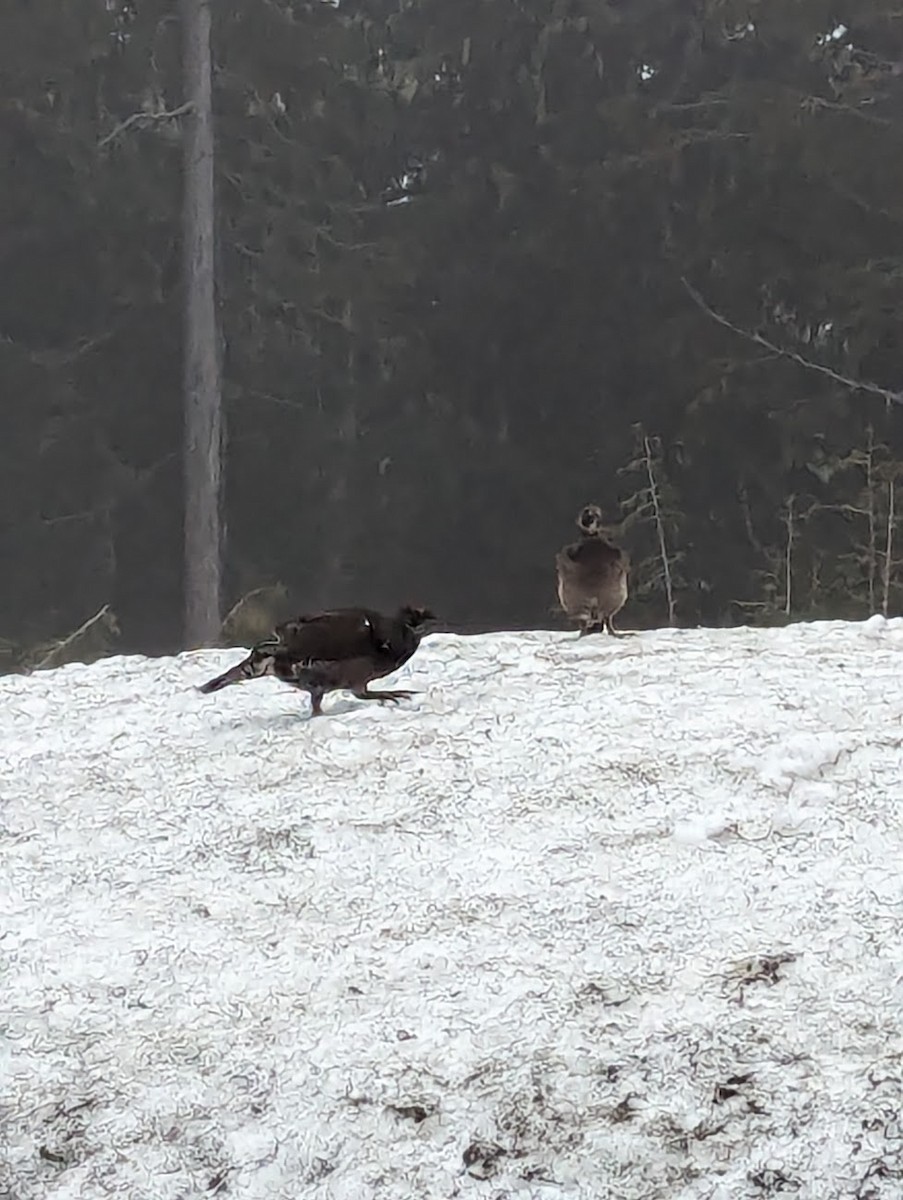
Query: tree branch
point(852, 197)
point(140, 117)
point(104, 612)
point(815, 103)
point(51, 359)
point(280, 400)
point(855, 385)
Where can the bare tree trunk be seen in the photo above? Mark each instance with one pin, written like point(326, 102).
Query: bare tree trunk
point(659, 526)
point(338, 543)
point(870, 492)
point(889, 544)
point(203, 411)
point(788, 555)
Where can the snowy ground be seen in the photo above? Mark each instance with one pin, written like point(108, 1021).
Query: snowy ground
point(586, 919)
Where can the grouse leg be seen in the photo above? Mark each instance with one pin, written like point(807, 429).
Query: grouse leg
point(365, 694)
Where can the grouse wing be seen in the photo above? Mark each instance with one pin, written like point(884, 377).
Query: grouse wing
point(331, 636)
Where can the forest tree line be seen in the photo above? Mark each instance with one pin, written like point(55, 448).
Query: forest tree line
point(478, 264)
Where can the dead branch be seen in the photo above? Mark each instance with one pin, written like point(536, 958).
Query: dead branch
point(63, 357)
point(855, 385)
point(255, 394)
point(254, 615)
point(812, 104)
point(140, 118)
point(103, 614)
point(840, 188)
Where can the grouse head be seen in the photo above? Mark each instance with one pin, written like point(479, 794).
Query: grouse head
point(415, 617)
point(260, 660)
point(589, 520)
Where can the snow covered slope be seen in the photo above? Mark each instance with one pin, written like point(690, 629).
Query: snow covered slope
point(585, 919)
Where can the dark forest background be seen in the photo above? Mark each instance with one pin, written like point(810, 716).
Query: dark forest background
point(480, 262)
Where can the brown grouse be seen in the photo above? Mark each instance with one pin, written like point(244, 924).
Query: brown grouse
point(592, 576)
point(342, 648)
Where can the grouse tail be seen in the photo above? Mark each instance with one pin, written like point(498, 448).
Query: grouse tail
point(237, 674)
point(259, 662)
